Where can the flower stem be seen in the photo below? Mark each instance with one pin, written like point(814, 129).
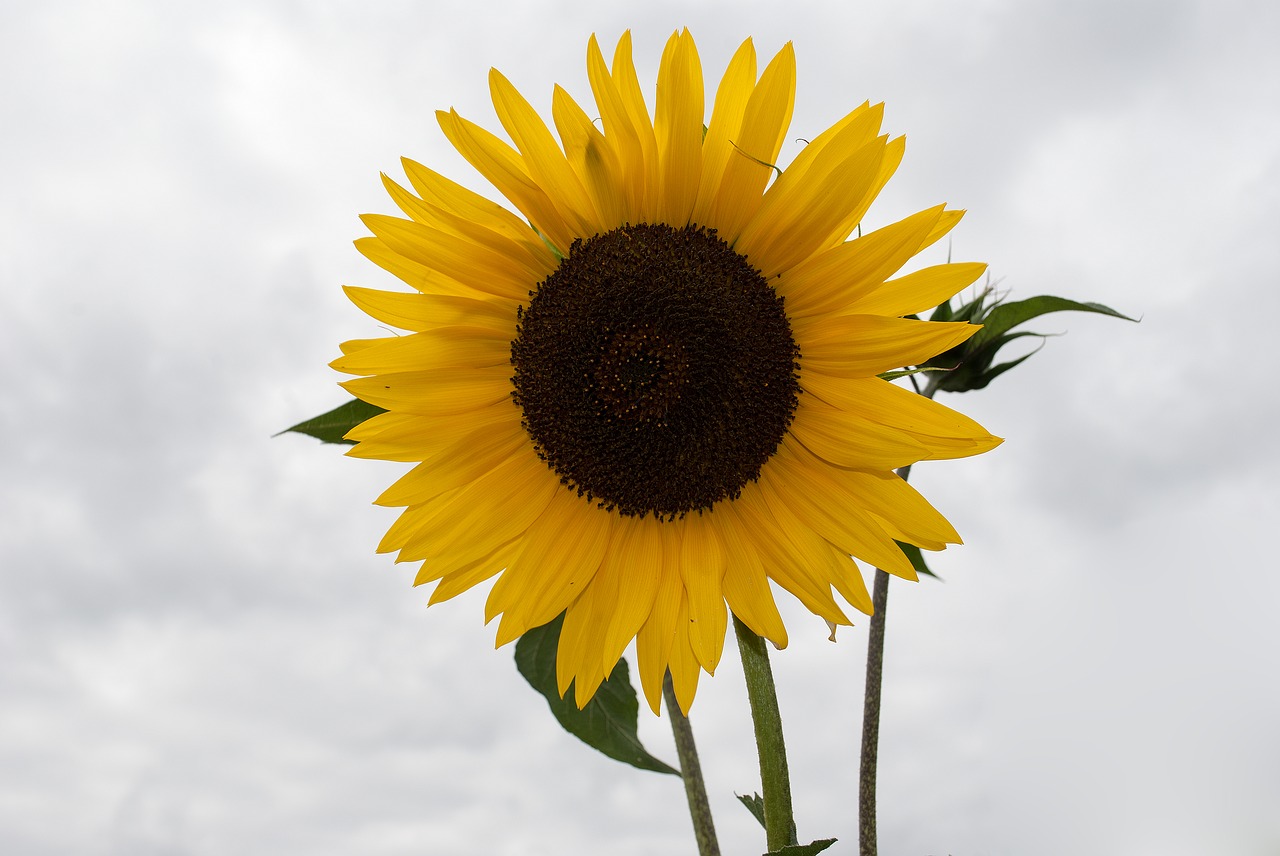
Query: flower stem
point(695, 789)
point(870, 751)
point(779, 820)
point(871, 718)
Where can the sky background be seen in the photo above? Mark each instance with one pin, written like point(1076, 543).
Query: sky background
point(200, 652)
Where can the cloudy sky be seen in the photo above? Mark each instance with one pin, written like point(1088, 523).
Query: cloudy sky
point(200, 652)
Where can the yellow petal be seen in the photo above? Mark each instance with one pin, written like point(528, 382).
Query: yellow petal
point(678, 119)
point(480, 268)
point(852, 346)
point(653, 642)
point(684, 666)
point(422, 312)
point(423, 278)
point(623, 136)
point(726, 121)
point(831, 281)
point(413, 437)
point(855, 129)
point(746, 587)
point(581, 635)
point(471, 206)
point(469, 575)
point(543, 159)
point(919, 291)
point(945, 224)
point(813, 492)
point(588, 620)
point(355, 346)
point(846, 439)
point(794, 556)
point(536, 261)
point(593, 159)
point(562, 552)
point(756, 147)
point(628, 87)
point(375, 425)
point(467, 460)
point(893, 153)
point(434, 393)
point(802, 210)
point(444, 347)
point(486, 514)
point(505, 170)
point(945, 432)
point(702, 567)
point(900, 508)
point(792, 235)
point(635, 559)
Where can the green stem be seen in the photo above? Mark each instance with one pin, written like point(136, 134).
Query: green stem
point(695, 789)
point(775, 781)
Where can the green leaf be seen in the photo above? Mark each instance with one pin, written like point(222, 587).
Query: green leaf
point(997, 370)
point(971, 361)
point(917, 558)
point(333, 426)
point(754, 804)
point(803, 849)
point(1005, 316)
point(973, 309)
point(608, 722)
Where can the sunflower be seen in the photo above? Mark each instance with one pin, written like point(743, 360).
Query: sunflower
point(657, 391)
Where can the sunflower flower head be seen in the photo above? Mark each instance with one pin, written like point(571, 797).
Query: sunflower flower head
point(656, 392)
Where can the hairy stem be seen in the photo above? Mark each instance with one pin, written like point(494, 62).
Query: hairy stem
point(871, 719)
point(695, 789)
point(775, 781)
point(871, 693)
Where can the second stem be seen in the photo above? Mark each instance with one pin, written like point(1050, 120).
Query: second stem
point(775, 780)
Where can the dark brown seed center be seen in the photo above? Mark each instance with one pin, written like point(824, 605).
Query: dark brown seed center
point(656, 370)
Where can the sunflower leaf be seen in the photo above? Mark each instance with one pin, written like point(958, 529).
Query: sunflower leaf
point(972, 361)
point(332, 427)
point(997, 370)
point(916, 558)
point(754, 804)
point(608, 722)
point(803, 849)
point(1005, 316)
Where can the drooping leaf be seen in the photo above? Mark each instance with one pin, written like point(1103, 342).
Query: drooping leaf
point(916, 558)
point(809, 849)
point(972, 363)
point(608, 722)
point(333, 426)
point(1005, 316)
point(995, 371)
point(755, 805)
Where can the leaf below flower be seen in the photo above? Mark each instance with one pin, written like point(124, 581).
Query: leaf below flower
point(608, 722)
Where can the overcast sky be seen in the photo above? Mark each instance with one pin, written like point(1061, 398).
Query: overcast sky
point(200, 652)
